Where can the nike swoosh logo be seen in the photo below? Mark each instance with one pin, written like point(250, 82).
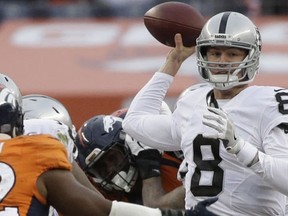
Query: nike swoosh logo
point(277, 90)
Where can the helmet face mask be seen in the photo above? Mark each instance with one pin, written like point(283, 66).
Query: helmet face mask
point(230, 30)
point(232, 73)
point(113, 168)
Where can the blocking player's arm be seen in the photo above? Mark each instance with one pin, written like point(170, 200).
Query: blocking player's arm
point(154, 195)
point(152, 190)
point(148, 164)
point(82, 178)
point(69, 197)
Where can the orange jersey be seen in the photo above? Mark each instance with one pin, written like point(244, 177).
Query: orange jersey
point(169, 168)
point(22, 160)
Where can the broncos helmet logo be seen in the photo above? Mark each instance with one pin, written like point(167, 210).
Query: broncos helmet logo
point(109, 121)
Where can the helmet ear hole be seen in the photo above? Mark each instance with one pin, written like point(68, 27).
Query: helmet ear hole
point(96, 153)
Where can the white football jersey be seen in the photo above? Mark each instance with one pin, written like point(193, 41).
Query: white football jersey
point(55, 129)
point(256, 113)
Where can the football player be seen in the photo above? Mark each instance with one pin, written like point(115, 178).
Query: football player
point(170, 160)
point(234, 135)
point(126, 169)
point(46, 115)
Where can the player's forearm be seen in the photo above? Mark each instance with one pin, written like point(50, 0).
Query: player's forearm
point(273, 170)
point(154, 195)
point(170, 67)
point(149, 98)
point(152, 191)
point(176, 57)
point(272, 163)
point(174, 199)
point(82, 178)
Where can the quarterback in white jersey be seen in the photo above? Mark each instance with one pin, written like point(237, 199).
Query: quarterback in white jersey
point(234, 135)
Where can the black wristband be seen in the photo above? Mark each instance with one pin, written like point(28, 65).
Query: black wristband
point(148, 163)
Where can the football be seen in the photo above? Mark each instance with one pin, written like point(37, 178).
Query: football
point(164, 20)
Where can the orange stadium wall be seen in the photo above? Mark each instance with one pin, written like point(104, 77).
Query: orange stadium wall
point(82, 108)
point(95, 66)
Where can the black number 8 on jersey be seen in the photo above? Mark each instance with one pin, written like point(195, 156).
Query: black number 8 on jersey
point(208, 166)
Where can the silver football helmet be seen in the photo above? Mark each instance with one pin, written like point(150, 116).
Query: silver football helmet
point(38, 106)
point(229, 29)
point(11, 85)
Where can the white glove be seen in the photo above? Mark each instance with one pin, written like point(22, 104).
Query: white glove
point(218, 120)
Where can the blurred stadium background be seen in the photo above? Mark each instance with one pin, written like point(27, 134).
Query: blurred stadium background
point(94, 55)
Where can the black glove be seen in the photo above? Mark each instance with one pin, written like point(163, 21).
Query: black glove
point(148, 163)
point(198, 210)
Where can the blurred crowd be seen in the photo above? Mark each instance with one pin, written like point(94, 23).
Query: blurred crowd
point(128, 8)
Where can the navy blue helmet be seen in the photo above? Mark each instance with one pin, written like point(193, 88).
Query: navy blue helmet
point(104, 155)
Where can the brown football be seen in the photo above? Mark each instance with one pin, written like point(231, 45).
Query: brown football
point(164, 20)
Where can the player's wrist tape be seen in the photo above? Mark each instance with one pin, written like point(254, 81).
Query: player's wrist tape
point(148, 163)
point(124, 208)
point(247, 154)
